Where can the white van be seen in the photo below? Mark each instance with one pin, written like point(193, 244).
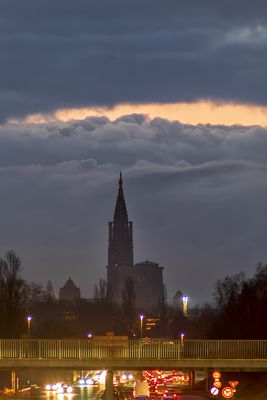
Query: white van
point(141, 390)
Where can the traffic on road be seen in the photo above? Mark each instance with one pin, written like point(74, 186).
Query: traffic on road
point(128, 385)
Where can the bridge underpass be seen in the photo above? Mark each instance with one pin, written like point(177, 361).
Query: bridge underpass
point(189, 355)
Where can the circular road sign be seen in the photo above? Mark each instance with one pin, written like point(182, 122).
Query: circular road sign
point(217, 384)
point(214, 391)
point(216, 375)
point(227, 392)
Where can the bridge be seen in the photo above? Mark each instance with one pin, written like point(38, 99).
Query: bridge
point(75, 354)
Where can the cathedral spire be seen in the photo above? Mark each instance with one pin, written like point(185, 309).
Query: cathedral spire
point(120, 213)
point(120, 233)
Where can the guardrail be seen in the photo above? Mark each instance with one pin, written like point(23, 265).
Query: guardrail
point(132, 349)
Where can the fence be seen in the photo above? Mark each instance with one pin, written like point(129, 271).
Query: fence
point(132, 349)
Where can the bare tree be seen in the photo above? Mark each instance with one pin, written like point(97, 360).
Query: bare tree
point(50, 290)
point(102, 292)
point(13, 295)
point(228, 289)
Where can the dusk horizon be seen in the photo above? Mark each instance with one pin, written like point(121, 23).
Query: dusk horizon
point(174, 97)
point(185, 205)
point(133, 199)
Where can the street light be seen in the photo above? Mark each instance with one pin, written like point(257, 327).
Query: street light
point(141, 325)
point(29, 318)
point(185, 305)
point(182, 339)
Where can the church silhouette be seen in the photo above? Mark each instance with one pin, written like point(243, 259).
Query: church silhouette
point(143, 281)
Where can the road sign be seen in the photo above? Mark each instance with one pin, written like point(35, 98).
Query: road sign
point(233, 384)
point(227, 392)
point(216, 375)
point(217, 384)
point(214, 391)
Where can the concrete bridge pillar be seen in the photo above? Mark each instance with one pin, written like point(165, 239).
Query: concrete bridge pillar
point(75, 376)
point(109, 389)
point(14, 381)
point(207, 380)
point(192, 378)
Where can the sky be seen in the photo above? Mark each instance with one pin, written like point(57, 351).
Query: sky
point(172, 93)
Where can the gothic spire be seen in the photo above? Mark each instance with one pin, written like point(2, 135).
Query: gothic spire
point(120, 251)
point(120, 213)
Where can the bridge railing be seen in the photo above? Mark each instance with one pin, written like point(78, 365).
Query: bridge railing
point(225, 349)
point(132, 349)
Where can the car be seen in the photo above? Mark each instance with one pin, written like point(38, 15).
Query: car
point(87, 382)
point(170, 395)
point(160, 389)
point(141, 389)
point(59, 387)
point(153, 391)
point(141, 397)
point(169, 379)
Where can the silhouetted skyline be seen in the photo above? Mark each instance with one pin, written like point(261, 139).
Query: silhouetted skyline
point(197, 194)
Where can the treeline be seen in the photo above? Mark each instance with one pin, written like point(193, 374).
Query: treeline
point(241, 306)
point(13, 296)
point(239, 310)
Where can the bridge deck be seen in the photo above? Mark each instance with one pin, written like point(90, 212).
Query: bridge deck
point(134, 354)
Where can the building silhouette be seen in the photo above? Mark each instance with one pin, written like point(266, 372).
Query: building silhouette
point(146, 276)
point(69, 292)
point(148, 284)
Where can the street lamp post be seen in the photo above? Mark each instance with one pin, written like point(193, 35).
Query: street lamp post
point(29, 318)
point(182, 339)
point(185, 305)
point(141, 325)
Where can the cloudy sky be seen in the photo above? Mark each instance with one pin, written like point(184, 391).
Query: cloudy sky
point(172, 93)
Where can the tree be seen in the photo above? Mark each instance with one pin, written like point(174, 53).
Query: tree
point(13, 296)
point(50, 290)
point(102, 292)
point(242, 307)
point(34, 292)
point(228, 290)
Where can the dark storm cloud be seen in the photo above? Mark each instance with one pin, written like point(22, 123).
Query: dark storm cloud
point(71, 54)
point(197, 196)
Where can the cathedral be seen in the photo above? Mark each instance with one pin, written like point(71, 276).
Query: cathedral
point(143, 279)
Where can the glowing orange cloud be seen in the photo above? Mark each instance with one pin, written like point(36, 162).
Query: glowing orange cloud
point(201, 112)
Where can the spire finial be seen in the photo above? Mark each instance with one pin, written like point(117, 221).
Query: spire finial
point(120, 180)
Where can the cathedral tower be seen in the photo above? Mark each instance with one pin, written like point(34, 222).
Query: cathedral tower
point(142, 282)
point(120, 247)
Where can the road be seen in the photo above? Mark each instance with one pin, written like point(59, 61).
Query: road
point(84, 393)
